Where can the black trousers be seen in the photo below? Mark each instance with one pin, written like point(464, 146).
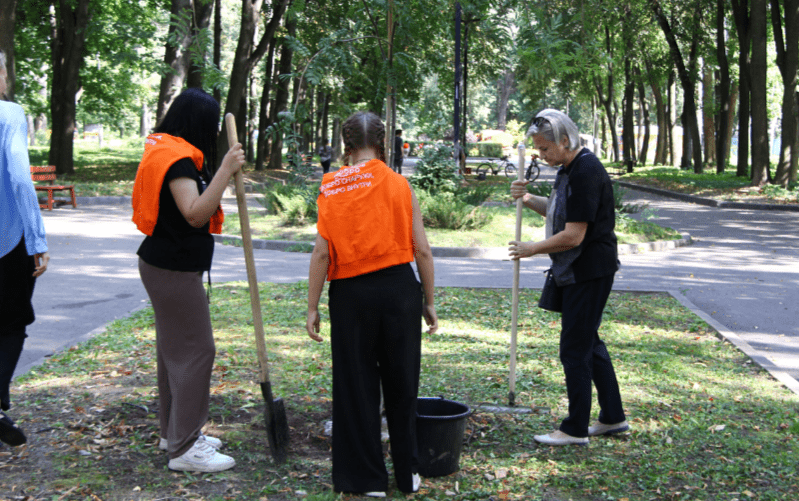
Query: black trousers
point(16, 292)
point(376, 326)
point(585, 357)
point(325, 166)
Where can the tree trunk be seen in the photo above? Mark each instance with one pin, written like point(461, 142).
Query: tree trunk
point(672, 113)
point(685, 74)
point(740, 9)
point(218, 44)
point(247, 55)
point(722, 91)
point(67, 43)
point(628, 124)
point(709, 125)
point(8, 12)
point(607, 102)
point(731, 118)
point(325, 122)
point(662, 118)
point(176, 61)
point(263, 120)
point(200, 21)
point(758, 70)
point(251, 121)
point(335, 139)
point(644, 109)
point(281, 97)
point(144, 123)
point(504, 89)
point(788, 61)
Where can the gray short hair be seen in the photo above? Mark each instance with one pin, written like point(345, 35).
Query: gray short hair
point(554, 125)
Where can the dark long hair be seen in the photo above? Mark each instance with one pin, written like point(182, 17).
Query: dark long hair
point(364, 129)
point(194, 116)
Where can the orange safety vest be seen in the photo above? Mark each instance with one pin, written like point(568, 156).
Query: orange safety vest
point(366, 216)
point(161, 151)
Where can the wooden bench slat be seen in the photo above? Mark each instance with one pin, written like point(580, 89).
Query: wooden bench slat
point(49, 175)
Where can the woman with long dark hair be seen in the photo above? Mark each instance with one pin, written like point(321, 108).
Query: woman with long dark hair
point(176, 199)
point(369, 230)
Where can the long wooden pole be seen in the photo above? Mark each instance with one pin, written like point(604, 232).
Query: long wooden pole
point(516, 265)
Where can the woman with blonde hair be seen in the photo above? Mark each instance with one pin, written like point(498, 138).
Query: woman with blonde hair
point(369, 230)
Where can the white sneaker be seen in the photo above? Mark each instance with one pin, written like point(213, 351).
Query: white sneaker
point(375, 494)
point(607, 429)
point(417, 482)
point(163, 443)
point(202, 457)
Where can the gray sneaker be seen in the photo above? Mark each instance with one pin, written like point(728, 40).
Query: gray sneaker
point(607, 429)
point(202, 457)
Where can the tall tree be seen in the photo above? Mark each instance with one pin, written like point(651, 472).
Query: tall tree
point(686, 71)
point(757, 78)
point(8, 9)
point(200, 22)
point(176, 56)
point(786, 40)
point(722, 89)
point(740, 9)
point(248, 54)
point(70, 21)
point(281, 94)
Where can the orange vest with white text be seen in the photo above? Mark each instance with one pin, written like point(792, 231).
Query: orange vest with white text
point(366, 216)
point(161, 151)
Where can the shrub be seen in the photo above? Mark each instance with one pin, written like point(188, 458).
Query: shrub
point(621, 206)
point(444, 210)
point(475, 194)
point(491, 150)
point(295, 204)
point(541, 189)
point(435, 171)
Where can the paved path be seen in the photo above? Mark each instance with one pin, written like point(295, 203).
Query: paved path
point(742, 272)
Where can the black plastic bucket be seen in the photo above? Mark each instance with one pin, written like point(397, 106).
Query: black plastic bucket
point(440, 425)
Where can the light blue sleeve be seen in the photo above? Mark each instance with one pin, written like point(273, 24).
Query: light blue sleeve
point(21, 184)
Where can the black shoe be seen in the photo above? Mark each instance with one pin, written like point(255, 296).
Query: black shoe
point(9, 432)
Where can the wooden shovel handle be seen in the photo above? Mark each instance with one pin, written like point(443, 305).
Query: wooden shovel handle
point(249, 260)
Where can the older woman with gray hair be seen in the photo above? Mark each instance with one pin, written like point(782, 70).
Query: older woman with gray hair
point(580, 240)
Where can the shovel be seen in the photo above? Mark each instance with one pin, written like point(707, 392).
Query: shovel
point(277, 428)
point(515, 305)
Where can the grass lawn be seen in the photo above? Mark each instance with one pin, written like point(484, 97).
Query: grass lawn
point(726, 186)
point(707, 423)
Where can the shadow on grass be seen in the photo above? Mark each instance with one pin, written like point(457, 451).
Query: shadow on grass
point(706, 423)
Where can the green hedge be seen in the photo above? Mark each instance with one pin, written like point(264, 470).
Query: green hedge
point(486, 149)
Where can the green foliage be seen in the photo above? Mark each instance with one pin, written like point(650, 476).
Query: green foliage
point(629, 226)
point(621, 206)
point(435, 171)
point(447, 211)
point(540, 188)
point(475, 194)
point(291, 202)
point(486, 149)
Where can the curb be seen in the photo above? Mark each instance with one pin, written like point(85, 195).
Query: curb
point(728, 335)
point(495, 253)
point(709, 202)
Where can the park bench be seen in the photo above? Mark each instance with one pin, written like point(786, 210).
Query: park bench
point(47, 173)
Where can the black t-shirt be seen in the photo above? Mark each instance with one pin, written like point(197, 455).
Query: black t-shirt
point(175, 244)
point(588, 195)
point(397, 149)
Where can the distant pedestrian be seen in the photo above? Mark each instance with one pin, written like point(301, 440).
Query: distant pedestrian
point(580, 239)
point(176, 204)
point(370, 229)
point(325, 156)
point(23, 249)
point(398, 151)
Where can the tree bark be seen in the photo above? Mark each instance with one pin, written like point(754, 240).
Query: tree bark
point(281, 98)
point(740, 9)
point(644, 109)
point(67, 43)
point(8, 20)
point(628, 123)
point(218, 44)
point(607, 101)
point(787, 45)
point(504, 89)
point(722, 91)
point(200, 21)
point(662, 117)
point(758, 70)
point(708, 123)
point(685, 74)
point(176, 61)
point(248, 55)
point(263, 121)
point(672, 114)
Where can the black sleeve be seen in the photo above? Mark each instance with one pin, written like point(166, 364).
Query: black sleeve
point(182, 168)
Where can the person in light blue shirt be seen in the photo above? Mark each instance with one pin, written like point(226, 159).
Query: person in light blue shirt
point(23, 249)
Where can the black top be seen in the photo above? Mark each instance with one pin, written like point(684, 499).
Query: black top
point(397, 148)
point(175, 244)
point(584, 194)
